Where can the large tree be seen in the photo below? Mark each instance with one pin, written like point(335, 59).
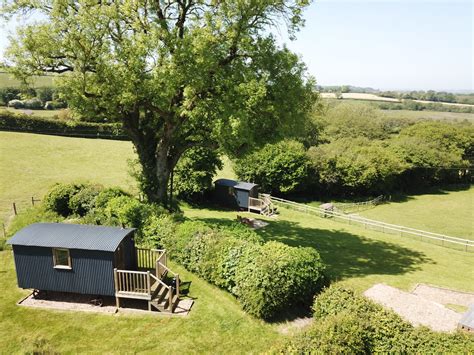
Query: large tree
point(177, 74)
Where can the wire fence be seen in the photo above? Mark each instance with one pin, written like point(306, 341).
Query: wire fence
point(358, 206)
point(13, 208)
point(417, 234)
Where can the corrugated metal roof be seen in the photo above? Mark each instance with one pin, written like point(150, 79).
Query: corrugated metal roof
point(71, 236)
point(241, 185)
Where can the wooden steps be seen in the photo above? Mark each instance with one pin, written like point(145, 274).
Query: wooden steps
point(161, 301)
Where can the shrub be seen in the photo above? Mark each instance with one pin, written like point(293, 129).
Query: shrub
point(22, 123)
point(265, 278)
point(342, 333)
point(45, 93)
point(130, 212)
point(106, 195)
point(349, 323)
point(280, 276)
point(194, 172)
point(16, 104)
point(33, 104)
point(54, 105)
point(8, 94)
point(58, 197)
point(280, 167)
point(84, 200)
point(159, 231)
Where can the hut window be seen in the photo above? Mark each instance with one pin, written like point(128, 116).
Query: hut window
point(61, 258)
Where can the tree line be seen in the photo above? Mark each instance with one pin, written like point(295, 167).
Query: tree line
point(352, 149)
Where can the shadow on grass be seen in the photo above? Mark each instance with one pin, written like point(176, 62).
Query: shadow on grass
point(346, 255)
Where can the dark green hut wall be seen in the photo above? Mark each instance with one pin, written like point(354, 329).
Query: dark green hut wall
point(92, 271)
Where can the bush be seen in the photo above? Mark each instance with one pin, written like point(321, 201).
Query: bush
point(54, 105)
point(84, 200)
point(16, 104)
point(10, 121)
point(9, 94)
point(265, 278)
point(280, 167)
point(58, 197)
point(280, 276)
point(33, 104)
point(106, 195)
point(45, 93)
point(343, 333)
point(130, 212)
point(344, 319)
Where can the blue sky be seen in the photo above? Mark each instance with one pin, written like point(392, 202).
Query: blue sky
point(404, 44)
point(389, 44)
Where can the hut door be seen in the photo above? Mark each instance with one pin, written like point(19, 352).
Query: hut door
point(120, 258)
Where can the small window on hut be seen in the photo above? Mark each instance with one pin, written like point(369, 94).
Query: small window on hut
point(61, 258)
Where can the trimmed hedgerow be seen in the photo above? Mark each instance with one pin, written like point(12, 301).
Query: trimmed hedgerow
point(266, 278)
point(22, 123)
point(349, 323)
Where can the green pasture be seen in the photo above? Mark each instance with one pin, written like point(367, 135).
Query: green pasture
point(31, 163)
point(429, 115)
point(7, 80)
point(216, 324)
point(37, 113)
point(357, 257)
point(445, 211)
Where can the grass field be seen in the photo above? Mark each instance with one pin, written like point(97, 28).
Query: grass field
point(444, 211)
point(6, 80)
point(430, 115)
point(354, 256)
point(38, 113)
point(361, 258)
point(216, 324)
point(30, 163)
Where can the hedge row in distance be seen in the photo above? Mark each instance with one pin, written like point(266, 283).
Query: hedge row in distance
point(10, 121)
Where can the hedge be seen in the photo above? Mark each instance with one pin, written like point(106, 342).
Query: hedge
point(267, 278)
point(10, 121)
point(345, 322)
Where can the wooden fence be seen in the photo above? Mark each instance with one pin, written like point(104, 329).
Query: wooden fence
point(439, 239)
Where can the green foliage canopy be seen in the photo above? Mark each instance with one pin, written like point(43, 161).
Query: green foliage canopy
point(177, 74)
point(280, 167)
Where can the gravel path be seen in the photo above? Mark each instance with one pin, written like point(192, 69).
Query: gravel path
point(444, 295)
point(414, 308)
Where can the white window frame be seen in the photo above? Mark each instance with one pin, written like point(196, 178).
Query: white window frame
point(61, 266)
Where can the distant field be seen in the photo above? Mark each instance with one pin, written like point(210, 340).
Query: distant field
point(6, 80)
point(39, 113)
point(432, 115)
point(358, 96)
point(373, 97)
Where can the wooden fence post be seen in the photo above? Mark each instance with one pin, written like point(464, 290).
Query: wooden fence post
point(4, 231)
point(14, 208)
point(32, 201)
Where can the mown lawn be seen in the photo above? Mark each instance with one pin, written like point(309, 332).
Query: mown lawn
point(30, 163)
point(216, 324)
point(7, 80)
point(37, 113)
point(357, 257)
point(444, 211)
point(361, 258)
